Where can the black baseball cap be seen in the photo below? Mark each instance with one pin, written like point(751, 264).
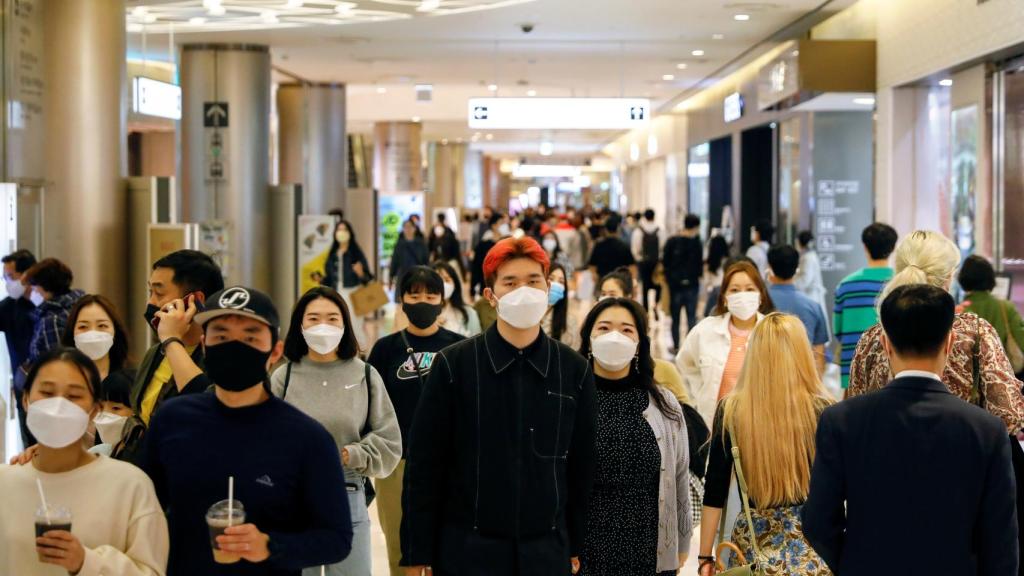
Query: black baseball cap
point(240, 301)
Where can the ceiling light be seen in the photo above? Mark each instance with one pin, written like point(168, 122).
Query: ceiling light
point(428, 5)
point(294, 4)
point(197, 21)
point(209, 4)
point(867, 101)
point(416, 119)
point(382, 90)
point(217, 11)
point(269, 16)
point(718, 36)
point(668, 77)
point(492, 87)
point(345, 8)
point(139, 11)
point(149, 18)
point(697, 52)
point(547, 148)
point(681, 66)
point(741, 17)
point(947, 82)
point(531, 93)
point(634, 151)
point(652, 145)
point(489, 137)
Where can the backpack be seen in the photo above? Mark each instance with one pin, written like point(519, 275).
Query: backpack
point(650, 246)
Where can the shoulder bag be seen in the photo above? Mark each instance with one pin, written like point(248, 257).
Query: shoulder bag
point(745, 569)
point(1013, 351)
point(977, 391)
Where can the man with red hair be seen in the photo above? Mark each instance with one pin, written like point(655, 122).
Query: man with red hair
point(501, 456)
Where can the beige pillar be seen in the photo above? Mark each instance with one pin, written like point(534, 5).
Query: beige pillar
point(85, 203)
point(312, 143)
point(397, 162)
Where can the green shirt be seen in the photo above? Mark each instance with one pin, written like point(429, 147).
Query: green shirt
point(990, 308)
point(855, 311)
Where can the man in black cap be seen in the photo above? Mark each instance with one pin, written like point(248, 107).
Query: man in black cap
point(286, 468)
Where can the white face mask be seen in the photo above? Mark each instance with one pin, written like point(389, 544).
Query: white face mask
point(94, 344)
point(550, 244)
point(36, 298)
point(743, 305)
point(438, 230)
point(523, 307)
point(323, 338)
point(449, 289)
point(613, 351)
point(15, 289)
point(56, 422)
point(504, 230)
point(110, 427)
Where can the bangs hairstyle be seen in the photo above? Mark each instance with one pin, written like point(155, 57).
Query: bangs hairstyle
point(420, 279)
point(295, 347)
point(513, 249)
point(774, 411)
point(73, 356)
point(767, 307)
point(119, 351)
point(644, 365)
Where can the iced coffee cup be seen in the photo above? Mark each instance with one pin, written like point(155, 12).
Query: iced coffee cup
point(52, 518)
point(218, 518)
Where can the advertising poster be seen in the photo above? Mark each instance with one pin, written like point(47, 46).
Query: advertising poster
point(315, 236)
point(394, 209)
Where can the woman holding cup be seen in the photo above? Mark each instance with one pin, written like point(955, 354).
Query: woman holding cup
point(117, 526)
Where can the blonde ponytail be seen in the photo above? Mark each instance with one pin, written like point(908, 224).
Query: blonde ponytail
point(924, 257)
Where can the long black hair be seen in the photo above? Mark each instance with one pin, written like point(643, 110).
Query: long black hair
point(644, 367)
point(295, 347)
point(560, 311)
point(718, 250)
point(353, 246)
point(456, 298)
point(118, 354)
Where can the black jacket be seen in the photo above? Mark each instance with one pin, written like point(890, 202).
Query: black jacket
point(17, 322)
point(408, 253)
point(927, 484)
point(501, 459)
point(683, 260)
point(348, 276)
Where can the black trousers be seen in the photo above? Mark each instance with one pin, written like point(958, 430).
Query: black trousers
point(678, 299)
point(1017, 456)
point(647, 283)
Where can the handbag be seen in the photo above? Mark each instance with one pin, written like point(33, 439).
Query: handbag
point(745, 568)
point(368, 298)
point(1013, 351)
point(977, 392)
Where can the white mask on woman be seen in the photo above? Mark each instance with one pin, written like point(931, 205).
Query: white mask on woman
point(449, 289)
point(613, 351)
point(323, 338)
point(743, 305)
point(56, 422)
point(523, 307)
point(94, 343)
point(550, 244)
point(110, 427)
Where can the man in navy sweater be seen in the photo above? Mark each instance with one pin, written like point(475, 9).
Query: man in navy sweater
point(287, 471)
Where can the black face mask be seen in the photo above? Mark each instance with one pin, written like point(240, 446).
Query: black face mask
point(422, 314)
point(150, 315)
point(235, 366)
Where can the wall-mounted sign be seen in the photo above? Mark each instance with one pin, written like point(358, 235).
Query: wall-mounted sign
point(215, 114)
point(733, 107)
point(780, 79)
point(559, 113)
point(156, 98)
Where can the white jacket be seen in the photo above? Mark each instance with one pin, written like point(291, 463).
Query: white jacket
point(701, 361)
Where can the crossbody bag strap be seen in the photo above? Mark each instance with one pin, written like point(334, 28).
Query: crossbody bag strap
point(738, 466)
point(287, 380)
point(369, 399)
point(411, 352)
point(977, 393)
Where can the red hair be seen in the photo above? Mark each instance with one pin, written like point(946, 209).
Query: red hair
point(512, 249)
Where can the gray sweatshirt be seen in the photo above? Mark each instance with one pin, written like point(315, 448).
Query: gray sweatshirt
point(334, 394)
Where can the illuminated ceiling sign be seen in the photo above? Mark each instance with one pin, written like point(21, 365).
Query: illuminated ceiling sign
point(733, 107)
point(155, 98)
point(559, 113)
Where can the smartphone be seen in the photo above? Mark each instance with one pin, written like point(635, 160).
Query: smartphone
point(196, 297)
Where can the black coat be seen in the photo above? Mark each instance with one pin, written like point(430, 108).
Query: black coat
point(927, 483)
point(408, 253)
point(501, 459)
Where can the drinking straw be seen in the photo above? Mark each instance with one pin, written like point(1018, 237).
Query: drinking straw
point(46, 508)
point(231, 499)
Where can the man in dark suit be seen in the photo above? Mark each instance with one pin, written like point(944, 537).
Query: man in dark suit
point(925, 477)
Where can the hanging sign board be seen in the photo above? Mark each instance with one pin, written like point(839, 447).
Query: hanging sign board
point(559, 113)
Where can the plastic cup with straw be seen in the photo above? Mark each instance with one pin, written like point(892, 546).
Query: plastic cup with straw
point(231, 500)
point(48, 519)
point(220, 517)
point(42, 498)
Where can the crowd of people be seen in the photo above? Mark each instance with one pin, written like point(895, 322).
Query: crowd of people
point(522, 418)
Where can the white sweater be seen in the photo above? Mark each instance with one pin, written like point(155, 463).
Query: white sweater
point(115, 515)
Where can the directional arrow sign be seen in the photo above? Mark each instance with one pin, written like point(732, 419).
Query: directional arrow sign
point(215, 114)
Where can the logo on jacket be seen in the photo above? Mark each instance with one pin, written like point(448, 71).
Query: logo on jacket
point(265, 481)
point(407, 371)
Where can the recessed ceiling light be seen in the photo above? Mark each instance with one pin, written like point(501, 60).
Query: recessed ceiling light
point(382, 90)
point(345, 8)
point(269, 16)
point(493, 87)
point(718, 36)
point(547, 148)
point(867, 101)
point(947, 82)
point(428, 5)
point(697, 52)
point(741, 17)
point(416, 119)
point(531, 93)
point(668, 77)
point(197, 21)
point(489, 137)
point(139, 11)
point(208, 4)
point(681, 66)
point(294, 4)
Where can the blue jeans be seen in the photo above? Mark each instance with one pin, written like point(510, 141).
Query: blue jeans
point(358, 562)
point(681, 297)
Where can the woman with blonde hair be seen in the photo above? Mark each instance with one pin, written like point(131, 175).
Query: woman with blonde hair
point(772, 416)
point(977, 369)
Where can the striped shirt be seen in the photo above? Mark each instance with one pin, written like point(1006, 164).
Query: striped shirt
point(855, 311)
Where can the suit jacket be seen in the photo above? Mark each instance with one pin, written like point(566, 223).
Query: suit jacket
point(927, 482)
